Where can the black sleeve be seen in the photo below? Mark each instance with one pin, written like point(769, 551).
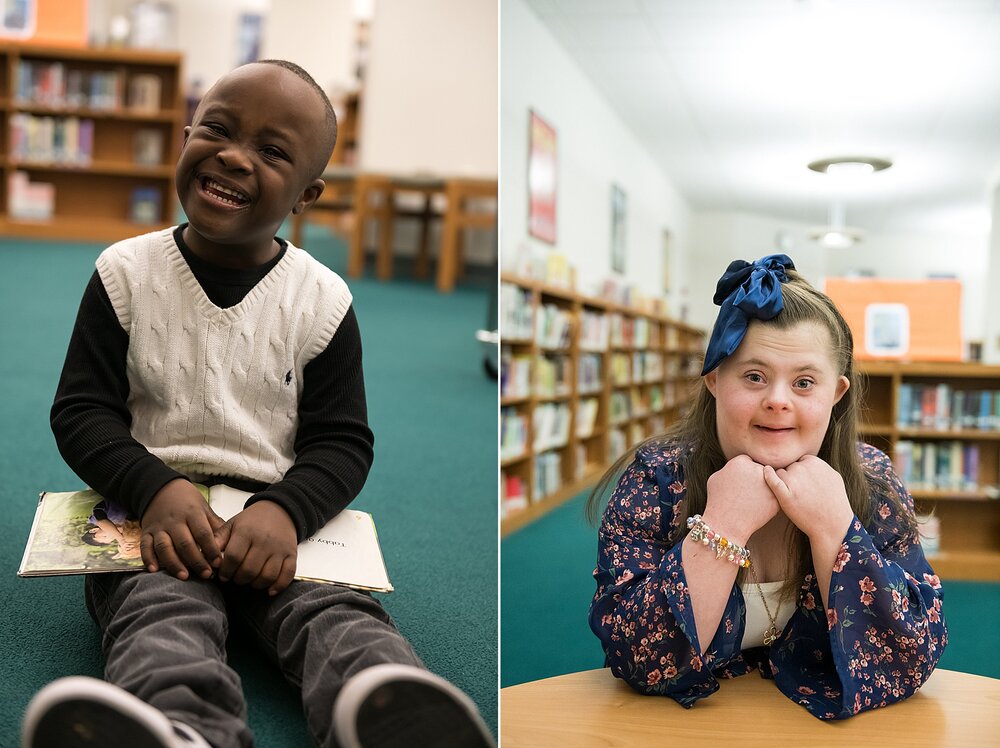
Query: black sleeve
point(90, 417)
point(333, 444)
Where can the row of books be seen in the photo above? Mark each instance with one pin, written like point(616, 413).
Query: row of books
point(516, 318)
point(588, 374)
point(551, 426)
point(586, 417)
point(552, 378)
point(594, 331)
point(515, 374)
point(547, 474)
point(513, 433)
point(940, 466)
point(941, 407)
point(56, 85)
point(513, 497)
point(554, 327)
point(51, 140)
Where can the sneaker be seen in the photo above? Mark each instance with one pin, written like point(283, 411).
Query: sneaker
point(77, 712)
point(390, 706)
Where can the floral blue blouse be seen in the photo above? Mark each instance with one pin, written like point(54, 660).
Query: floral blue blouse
point(880, 639)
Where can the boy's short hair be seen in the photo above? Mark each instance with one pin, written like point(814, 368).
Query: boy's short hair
point(331, 117)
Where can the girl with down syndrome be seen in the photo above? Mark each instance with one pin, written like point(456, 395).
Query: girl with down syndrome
point(760, 533)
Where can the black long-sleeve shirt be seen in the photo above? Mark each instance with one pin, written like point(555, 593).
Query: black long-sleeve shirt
point(91, 420)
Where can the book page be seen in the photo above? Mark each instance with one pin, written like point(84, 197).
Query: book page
point(344, 551)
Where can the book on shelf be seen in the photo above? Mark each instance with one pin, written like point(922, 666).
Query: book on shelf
point(513, 498)
point(513, 433)
point(145, 205)
point(79, 532)
point(548, 474)
point(515, 374)
point(30, 201)
point(147, 147)
point(551, 426)
point(144, 93)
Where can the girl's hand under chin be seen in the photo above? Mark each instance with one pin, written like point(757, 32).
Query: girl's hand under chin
point(812, 495)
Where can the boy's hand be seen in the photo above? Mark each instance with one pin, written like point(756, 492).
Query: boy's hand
point(178, 532)
point(260, 547)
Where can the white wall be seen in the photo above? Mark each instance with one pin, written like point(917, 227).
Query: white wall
point(594, 150)
point(319, 35)
point(430, 100)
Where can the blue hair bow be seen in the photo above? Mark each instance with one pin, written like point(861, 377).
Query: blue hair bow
point(745, 291)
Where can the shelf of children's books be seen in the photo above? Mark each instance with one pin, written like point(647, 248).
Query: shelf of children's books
point(985, 494)
point(103, 168)
point(504, 340)
point(122, 114)
point(946, 434)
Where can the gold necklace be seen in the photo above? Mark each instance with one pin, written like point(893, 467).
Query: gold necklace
point(772, 633)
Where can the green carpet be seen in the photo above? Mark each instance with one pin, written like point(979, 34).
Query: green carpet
point(547, 584)
point(432, 489)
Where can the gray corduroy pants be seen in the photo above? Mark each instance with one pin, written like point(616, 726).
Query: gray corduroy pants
point(165, 642)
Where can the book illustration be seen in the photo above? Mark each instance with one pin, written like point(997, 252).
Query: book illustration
point(79, 532)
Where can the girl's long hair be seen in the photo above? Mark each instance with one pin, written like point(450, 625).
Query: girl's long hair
point(701, 454)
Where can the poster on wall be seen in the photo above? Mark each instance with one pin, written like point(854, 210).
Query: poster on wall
point(619, 204)
point(18, 21)
point(542, 180)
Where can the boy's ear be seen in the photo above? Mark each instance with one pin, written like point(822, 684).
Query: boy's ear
point(309, 195)
point(187, 131)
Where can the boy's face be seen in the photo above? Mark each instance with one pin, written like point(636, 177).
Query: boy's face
point(249, 158)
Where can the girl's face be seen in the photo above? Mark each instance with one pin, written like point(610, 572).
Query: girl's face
point(775, 394)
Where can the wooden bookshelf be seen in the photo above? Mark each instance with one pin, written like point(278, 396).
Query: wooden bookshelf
point(967, 509)
point(94, 187)
point(615, 375)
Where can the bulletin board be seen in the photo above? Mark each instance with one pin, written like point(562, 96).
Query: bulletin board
point(901, 320)
point(54, 22)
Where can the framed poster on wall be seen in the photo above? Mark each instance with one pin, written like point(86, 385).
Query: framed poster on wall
point(541, 180)
point(619, 205)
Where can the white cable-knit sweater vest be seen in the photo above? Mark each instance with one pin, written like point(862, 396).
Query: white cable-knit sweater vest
point(215, 392)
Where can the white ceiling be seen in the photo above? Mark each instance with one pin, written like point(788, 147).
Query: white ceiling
point(734, 97)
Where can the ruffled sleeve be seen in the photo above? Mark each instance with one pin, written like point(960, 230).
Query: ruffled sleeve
point(641, 611)
point(885, 624)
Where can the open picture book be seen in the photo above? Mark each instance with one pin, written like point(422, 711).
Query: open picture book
point(79, 532)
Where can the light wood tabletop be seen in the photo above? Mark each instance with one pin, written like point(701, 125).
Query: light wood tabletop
point(593, 708)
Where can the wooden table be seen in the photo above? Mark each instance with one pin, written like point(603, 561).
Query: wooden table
point(593, 708)
point(373, 198)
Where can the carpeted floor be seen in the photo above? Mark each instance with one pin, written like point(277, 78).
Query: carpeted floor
point(432, 489)
point(547, 584)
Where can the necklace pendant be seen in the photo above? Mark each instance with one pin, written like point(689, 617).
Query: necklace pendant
point(770, 636)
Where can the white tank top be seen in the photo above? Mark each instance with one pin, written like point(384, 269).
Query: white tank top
point(757, 621)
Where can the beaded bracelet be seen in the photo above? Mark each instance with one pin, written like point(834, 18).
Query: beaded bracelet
point(723, 547)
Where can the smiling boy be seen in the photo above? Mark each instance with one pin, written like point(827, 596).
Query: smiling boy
point(217, 352)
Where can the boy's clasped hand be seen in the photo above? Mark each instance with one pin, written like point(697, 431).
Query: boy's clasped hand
point(182, 536)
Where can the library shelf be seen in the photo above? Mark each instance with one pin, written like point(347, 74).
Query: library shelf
point(947, 455)
point(558, 400)
point(88, 141)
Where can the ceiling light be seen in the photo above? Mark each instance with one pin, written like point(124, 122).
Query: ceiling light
point(836, 237)
point(850, 165)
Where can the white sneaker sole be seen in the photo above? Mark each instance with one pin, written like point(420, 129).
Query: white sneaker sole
point(81, 711)
point(359, 687)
